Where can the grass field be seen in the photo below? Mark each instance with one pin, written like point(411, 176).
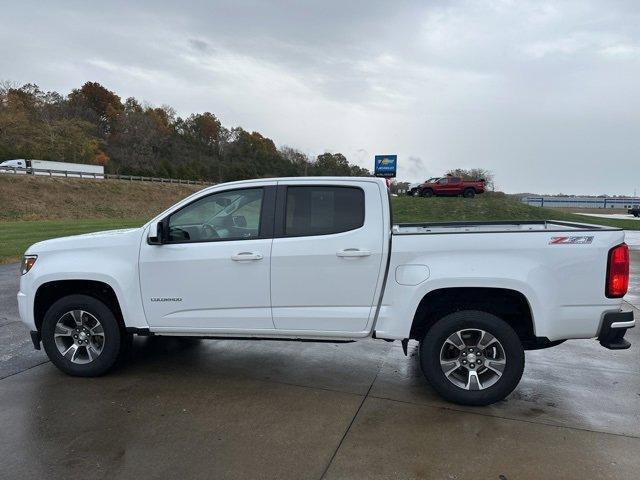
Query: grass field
point(16, 236)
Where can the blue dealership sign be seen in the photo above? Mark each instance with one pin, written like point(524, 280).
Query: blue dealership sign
point(385, 166)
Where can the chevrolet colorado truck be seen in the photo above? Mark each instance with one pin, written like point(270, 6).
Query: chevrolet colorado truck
point(319, 259)
point(451, 187)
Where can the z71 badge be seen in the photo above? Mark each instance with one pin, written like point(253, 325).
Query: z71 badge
point(570, 240)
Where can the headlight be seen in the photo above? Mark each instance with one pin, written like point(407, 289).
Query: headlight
point(28, 261)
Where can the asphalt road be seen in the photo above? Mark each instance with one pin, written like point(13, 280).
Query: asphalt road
point(234, 409)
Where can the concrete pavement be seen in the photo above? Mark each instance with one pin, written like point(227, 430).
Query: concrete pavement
point(268, 409)
point(16, 350)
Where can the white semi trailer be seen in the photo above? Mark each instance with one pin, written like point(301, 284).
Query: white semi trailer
point(55, 169)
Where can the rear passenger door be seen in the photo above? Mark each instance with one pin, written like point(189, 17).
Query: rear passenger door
point(454, 186)
point(326, 255)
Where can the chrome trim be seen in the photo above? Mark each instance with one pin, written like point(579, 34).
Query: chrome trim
point(629, 324)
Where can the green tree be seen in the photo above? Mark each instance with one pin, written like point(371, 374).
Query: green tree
point(332, 164)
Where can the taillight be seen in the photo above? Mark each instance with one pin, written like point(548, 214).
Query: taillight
point(618, 271)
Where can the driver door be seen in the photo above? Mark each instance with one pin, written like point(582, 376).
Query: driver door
point(212, 270)
point(441, 186)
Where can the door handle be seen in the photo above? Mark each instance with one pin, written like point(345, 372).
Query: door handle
point(353, 252)
point(244, 256)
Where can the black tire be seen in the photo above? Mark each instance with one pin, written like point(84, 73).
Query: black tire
point(427, 193)
point(469, 193)
point(436, 337)
point(114, 341)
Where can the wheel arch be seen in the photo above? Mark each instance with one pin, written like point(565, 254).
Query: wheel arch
point(510, 305)
point(52, 291)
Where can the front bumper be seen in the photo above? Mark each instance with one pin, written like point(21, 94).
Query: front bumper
point(25, 310)
point(614, 326)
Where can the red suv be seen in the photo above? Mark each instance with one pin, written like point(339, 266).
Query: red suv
point(452, 186)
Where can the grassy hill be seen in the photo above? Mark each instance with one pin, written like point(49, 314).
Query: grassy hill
point(34, 209)
point(24, 197)
point(488, 207)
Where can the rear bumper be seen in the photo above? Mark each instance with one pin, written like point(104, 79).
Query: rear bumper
point(614, 327)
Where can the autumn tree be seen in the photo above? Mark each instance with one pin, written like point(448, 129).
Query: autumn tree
point(474, 174)
point(93, 125)
point(298, 159)
point(103, 103)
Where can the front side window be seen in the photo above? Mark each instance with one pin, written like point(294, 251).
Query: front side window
point(322, 210)
point(232, 215)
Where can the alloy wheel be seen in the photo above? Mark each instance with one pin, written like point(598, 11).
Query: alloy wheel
point(472, 359)
point(79, 336)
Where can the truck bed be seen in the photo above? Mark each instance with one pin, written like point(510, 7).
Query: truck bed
point(495, 227)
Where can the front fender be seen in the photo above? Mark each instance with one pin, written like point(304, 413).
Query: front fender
point(114, 264)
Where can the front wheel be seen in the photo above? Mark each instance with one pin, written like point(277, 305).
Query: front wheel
point(81, 336)
point(472, 358)
point(427, 192)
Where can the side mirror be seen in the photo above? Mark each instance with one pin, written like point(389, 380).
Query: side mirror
point(156, 234)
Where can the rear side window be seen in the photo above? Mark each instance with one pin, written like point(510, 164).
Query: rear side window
point(319, 210)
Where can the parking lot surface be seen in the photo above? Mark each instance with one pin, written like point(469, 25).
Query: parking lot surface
point(274, 409)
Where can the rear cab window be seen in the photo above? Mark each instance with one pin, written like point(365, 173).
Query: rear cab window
point(323, 210)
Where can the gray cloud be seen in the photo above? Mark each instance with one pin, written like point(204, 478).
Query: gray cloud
point(545, 94)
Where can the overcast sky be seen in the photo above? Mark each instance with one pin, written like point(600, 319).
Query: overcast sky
point(544, 94)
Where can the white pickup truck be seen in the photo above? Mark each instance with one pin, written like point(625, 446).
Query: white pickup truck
point(319, 259)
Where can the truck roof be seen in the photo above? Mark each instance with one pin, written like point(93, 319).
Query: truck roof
point(298, 179)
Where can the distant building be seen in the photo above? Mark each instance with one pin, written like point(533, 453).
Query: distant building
point(581, 202)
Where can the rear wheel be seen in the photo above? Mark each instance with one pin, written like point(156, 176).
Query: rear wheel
point(469, 193)
point(472, 358)
point(427, 192)
point(81, 336)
